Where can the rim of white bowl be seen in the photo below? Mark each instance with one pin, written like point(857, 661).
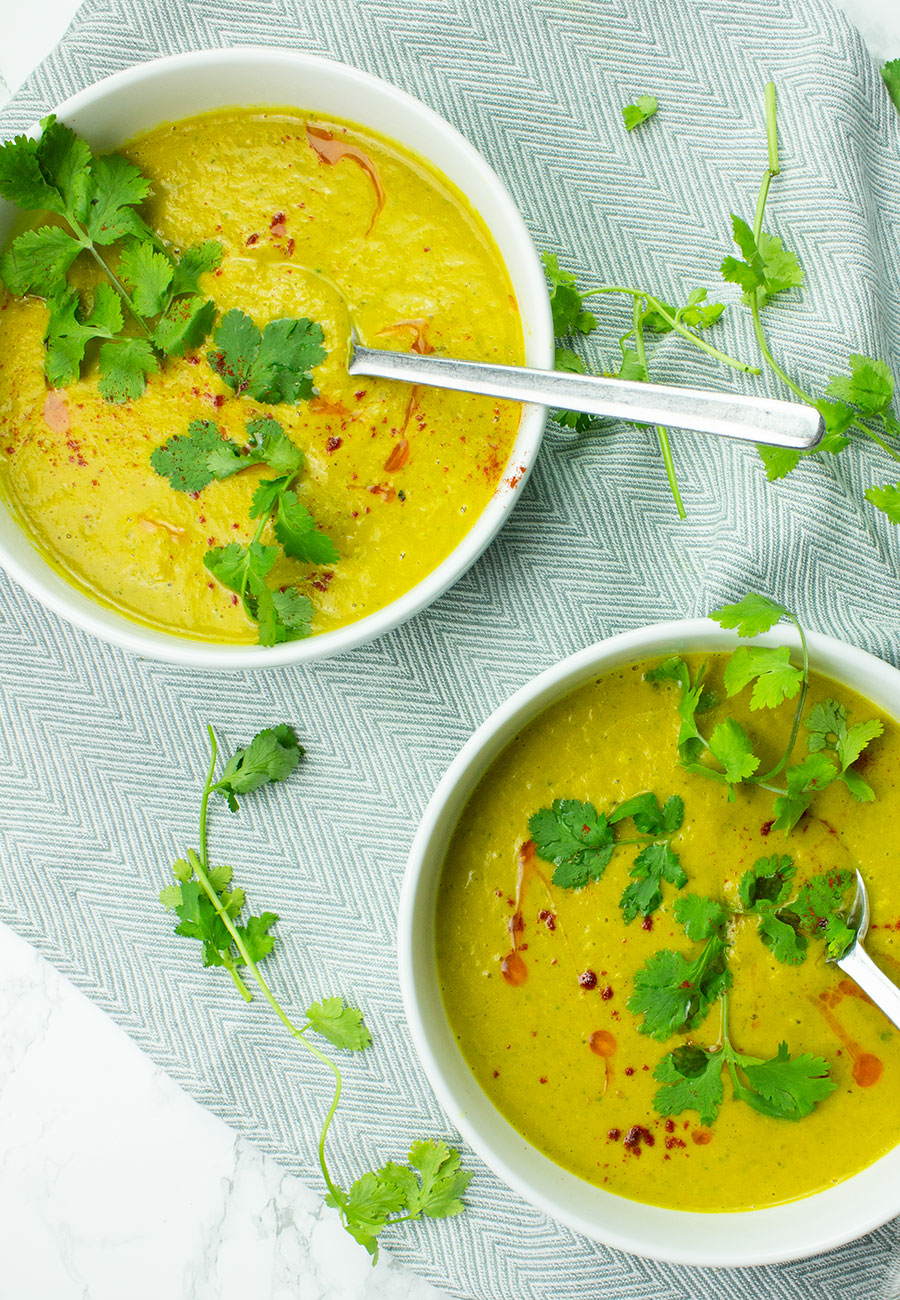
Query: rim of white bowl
point(776, 1234)
point(424, 132)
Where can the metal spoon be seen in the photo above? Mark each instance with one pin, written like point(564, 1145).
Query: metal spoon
point(859, 965)
point(731, 415)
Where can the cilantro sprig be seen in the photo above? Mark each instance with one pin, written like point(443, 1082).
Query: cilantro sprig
point(211, 910)
point(572, 317)
point(856, 402)
point(674, 994)
point(95, 200)
point(580, 842)
point(194, 460)
point(150, 305)
point(727, 754)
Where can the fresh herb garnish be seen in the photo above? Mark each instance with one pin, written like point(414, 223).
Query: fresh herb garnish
point(861, 400)
point(97, 197)
point(891, 74)
point(674, 993)
point(728, 754)
point(580, 842)
point(634, 114)
point(194, 460)
point(211, 910)
point(270, 365)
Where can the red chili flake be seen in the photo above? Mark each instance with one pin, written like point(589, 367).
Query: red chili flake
point(587, 979)
point(290, 247)
point(253, 239)
point(766, 827)
point(276, 225)
point(218, 400)
point(647, 923)
point(332, 444)
point(673, 1142)
point(496, 1074)
point(542, 1079)
point(614, 1134)
point(548, 918)
point(637, 1134)
point(629, 1070)
point(498, 893)
point(670, 1126)
point(606, 993)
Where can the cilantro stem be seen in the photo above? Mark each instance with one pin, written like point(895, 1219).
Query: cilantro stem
point(90, 247)
point(675, 324)
point(661, 433)
point(798, 712)
point(201, 866)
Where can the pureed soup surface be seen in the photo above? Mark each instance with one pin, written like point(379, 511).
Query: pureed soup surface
point(530, 1045)
point(395, 476)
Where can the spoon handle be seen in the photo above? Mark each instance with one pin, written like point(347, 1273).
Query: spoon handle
point(872, 980)
point(731, 415)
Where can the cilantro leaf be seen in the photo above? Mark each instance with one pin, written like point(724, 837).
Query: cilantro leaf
point(751, 615)
point(22, 181)
point(184, 325)
point(296, 530)
point(294, 612)
point(255, 934)
point(820, 898)
point(342, 1025)
point(198, 919)
point(828, 730)
point(68, 333)
point(887, 499)
point(783, 1087)
point(768, 881)
point(691, 702)
point(124, 367)
point(701, 917)
point(193, 263)
point(38, 260)
point(185, 459)
point(870, 385)
point(803, 780)
point(147, 273)
point(271, 445)
point(566, 302)
point(696, 312)
point(570, 362)
point(692, 1080)
point(647, 815)
point(732, 747)
point(775, 678)
point(780, 932)
point(243, 570)
point(576, 838)
point(891, 74)
point(441, 1181)
point(674, 994)
point(271, 755)
point(288, 351)
point(271, 366)
point(634, 114)
point(768, 267)
point(653, 865)
point(118, 188)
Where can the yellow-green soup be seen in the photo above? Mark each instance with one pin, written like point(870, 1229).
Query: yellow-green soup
point(316, 219)
point(566, 1064)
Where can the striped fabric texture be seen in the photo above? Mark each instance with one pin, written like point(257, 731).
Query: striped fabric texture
point(102, 753)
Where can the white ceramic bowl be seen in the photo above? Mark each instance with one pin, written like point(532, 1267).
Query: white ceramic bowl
point(772, 1235)
point(142, 97)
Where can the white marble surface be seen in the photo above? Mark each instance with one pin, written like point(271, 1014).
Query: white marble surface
point(113, 1182)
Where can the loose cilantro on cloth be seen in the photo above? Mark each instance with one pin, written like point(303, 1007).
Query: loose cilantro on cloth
point(213, 912)
point(728, 755)
point(194, 460)
point(580, 842)
point(644, 107)
point(571, 318)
